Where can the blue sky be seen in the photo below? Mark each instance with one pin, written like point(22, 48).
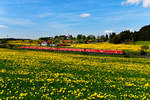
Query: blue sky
point(39, 18)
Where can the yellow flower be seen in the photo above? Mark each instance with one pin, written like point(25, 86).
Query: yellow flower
point(3, 70)
point(147, 85)
point(23, 94)
point(1, 79)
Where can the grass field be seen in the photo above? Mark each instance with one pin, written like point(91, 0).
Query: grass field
point(26, 43)
point(142, 43)
point(50, 75)
point(133, 47)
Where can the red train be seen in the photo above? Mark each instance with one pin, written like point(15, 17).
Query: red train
point(74, 49)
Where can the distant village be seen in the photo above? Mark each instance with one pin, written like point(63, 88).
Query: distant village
point(66, 40)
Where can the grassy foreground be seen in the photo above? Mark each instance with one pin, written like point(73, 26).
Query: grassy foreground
point(49, 75)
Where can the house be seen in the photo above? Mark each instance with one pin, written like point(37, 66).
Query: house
point(47, 43)
point(69, 37)
point(68, 41)
point(43, 43)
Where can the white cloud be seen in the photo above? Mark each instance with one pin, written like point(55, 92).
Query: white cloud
point(108, 31)
point(3, 26)
point(131, 2)
point(85, 15)
point(145, 3)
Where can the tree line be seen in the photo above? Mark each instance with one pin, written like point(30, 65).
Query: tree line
point(123, 37)
point(127, 36)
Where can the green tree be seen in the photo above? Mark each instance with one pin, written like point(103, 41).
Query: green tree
point(111, 35)
point(79, 36)
point(102, 38)
point(107, 37)
point(91, 37)
point(115, 40)
point(144, 33)
point(126, 36)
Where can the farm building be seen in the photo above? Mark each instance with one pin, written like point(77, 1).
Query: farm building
point(43, 43)
point(47, 43)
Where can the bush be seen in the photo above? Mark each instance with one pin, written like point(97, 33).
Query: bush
point(8, 46)
point(143, 52)
point(144, 49)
